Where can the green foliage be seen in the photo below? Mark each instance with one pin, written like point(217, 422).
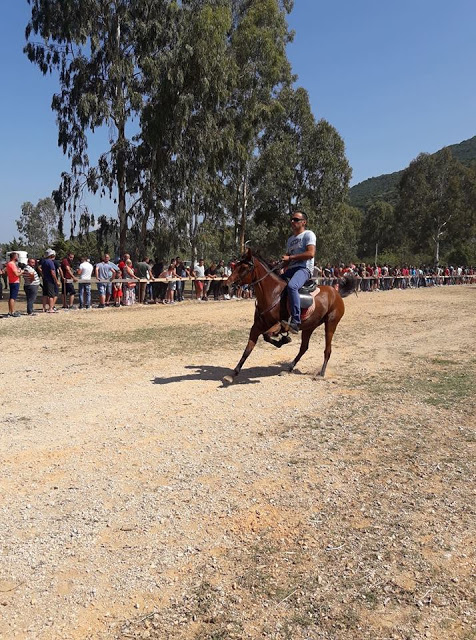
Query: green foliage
point(223, 138)
point(385, 187)
point(38, 226)
point(436, 205)
point(302, 164)
point(378, 227)
point(99, 49)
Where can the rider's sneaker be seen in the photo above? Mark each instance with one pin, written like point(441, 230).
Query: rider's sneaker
point(290, 326)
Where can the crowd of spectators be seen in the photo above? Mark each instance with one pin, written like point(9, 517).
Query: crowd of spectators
point(118, 284)
point(162, 282)
point(383, 277)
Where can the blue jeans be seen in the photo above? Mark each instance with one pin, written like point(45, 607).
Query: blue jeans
point(31, 291)
point(84, 289)
point(297, 276)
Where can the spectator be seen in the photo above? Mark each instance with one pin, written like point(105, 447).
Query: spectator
point(2, 274)
point(50, 281)
point(220, 274)
point(159, 289)
point(104, 272)
point(122, 262)
point(182, 272)
point(143, 271)
point(68, 287)
point(31, 282)
point(129, 289)
point(199, 272)
point(85, 272)
point(117, 289)
point(169, 274)
point(227, 271)
point(211, 272)
point(13, 274)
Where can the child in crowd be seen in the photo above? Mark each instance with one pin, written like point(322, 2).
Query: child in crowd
point(171, 286)
point(117, 290)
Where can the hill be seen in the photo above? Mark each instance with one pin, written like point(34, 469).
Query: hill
point(384, 187)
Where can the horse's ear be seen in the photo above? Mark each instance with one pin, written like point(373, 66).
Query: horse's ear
point(249, 253)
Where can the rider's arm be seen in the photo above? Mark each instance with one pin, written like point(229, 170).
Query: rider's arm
point(305, 255)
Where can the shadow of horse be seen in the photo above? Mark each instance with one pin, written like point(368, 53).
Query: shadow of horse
point(211, 372)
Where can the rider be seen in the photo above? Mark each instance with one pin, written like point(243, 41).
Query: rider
point(299, 265)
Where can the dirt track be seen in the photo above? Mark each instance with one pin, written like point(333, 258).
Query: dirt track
point(140, 498)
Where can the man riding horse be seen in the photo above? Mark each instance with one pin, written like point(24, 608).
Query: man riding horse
point(299, 262)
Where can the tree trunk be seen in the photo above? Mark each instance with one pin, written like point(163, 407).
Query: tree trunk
point(236, 214)
point(244, 204)
point(121, 171)
point(143, 237)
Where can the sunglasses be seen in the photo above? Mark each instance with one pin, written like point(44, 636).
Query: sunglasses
point(297, 219)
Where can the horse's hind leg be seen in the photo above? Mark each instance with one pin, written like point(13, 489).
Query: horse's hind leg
point(330, 327)
point(306, 335)
point(254, 335)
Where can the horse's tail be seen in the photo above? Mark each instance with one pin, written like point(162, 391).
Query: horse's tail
point(349, 284)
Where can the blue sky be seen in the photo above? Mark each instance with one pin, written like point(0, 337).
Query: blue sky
point(394, 78)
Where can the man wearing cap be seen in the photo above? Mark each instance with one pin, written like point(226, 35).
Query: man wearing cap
point(299, 265)
point(50, 281)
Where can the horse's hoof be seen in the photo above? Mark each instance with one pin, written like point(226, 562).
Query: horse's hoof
point(228, 380)
point(285, 372)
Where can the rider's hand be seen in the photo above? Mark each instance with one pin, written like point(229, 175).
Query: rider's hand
point(285, 258)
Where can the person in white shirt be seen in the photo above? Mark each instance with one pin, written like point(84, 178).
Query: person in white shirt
point(85, 272)
point(31, 282)
point(199, 272)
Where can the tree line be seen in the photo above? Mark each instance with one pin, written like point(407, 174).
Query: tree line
point(211, 142)
point(431, 218)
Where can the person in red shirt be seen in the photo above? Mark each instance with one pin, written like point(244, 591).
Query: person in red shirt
point(13, 275)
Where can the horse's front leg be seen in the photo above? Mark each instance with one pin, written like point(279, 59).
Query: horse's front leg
point(253, 339)
point(306, 335)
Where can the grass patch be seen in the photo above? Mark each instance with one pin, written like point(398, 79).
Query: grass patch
point(171, 339)
point(437, 381)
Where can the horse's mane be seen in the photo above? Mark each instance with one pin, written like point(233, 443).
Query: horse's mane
point(263, 260)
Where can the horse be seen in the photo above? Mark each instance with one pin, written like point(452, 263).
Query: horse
point(270, 310)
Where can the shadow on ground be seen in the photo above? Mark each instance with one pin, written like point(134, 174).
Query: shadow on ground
point(211, 372)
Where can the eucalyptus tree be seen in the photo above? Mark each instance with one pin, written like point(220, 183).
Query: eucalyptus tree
point(378, 231)
point(258, 40)
point(435, 204)
point(185, 128)
point(38, 225)
point(101, 50)
point(302, 163)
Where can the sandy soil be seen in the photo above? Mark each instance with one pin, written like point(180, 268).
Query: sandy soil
point(140, 498)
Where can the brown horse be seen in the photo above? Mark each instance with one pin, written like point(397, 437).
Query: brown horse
point(268, 287)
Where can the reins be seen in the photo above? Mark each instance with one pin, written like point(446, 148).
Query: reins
point(268, 272)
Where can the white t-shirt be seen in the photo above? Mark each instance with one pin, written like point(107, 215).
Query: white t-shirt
point(35, 280)
point(199, 271)
point(86, 271)
point(298, 244)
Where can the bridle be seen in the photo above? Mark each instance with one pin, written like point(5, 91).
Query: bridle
point(251, 266)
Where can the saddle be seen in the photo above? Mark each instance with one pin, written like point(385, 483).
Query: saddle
point(307, 297)
point(307, 293)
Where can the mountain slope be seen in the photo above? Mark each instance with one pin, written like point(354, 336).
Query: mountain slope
point(385, 187)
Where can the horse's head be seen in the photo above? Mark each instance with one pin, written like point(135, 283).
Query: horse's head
point(242, 273)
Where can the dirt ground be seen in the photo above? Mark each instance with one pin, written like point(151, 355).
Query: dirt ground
point(139, 498)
